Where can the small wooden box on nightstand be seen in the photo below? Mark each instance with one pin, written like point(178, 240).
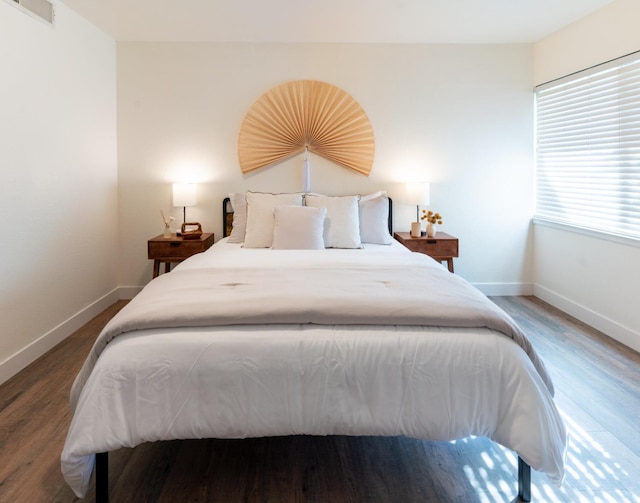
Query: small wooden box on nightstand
point(441, 247)
point(175, 249)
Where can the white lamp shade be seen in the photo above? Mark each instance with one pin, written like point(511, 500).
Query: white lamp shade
point(417, 193)
point(184, 194)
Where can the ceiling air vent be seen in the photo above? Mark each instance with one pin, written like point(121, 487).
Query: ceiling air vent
point(42, 9)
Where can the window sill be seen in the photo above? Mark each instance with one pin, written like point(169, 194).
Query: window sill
point(615, 238)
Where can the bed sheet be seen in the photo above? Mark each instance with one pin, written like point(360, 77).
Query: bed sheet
point(224, 255)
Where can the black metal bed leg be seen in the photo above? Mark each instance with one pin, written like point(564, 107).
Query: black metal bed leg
point(524, 480)
point(102, 477)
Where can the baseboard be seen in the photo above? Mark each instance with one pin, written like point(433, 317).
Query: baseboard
point(504, 289)
point(14, 364)
point(612, 328)
point(129, 292)
point(40, 346)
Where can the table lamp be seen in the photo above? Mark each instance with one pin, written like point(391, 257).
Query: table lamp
point(184, 194)
point(417, 193)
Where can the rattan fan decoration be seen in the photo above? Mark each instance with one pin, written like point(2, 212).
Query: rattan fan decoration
point(306, 114)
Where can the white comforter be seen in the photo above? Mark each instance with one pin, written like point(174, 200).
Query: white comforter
point(198, 378)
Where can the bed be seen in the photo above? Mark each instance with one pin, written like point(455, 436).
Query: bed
point(244, 341)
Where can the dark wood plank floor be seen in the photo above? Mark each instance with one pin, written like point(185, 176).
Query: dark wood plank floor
point(598, 392)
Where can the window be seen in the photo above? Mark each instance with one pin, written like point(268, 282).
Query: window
point(588, 149)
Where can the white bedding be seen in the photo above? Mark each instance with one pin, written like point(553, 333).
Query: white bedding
point(242, 380)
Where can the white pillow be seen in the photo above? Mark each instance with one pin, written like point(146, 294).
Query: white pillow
point(374, 219)
point(342, 225)
point(373, 195)
point(298, 228)
point(239, 206)
point(260, 220)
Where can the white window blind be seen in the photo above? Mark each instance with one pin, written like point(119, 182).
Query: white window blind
point(588, 148)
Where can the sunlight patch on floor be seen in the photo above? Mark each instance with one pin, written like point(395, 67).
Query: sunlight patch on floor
point(592, 473)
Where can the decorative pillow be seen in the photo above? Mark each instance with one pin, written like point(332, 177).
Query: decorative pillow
point(374, 219)
point(342, 225)
point(260, 220)
point(239, 205)
point(298, 228)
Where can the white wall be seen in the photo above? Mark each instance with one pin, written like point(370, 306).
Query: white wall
point(459, 116)
point(58, 195)
point(593, 279)
point(608, 33)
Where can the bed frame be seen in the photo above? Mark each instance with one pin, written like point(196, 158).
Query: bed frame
point(102, 458)
point(102, 479)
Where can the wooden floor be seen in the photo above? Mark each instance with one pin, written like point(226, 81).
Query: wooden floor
point(598, 392)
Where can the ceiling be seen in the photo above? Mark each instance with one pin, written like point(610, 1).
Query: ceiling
point(334, 21)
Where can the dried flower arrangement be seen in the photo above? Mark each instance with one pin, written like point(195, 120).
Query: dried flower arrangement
point(431, 217)
point(167, 224)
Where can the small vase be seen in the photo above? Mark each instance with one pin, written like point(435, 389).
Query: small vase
point(167, 232)
point(431, 230)
point(415, 229)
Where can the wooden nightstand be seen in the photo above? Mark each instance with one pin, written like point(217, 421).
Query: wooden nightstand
point(442, 247)
point(175, 249)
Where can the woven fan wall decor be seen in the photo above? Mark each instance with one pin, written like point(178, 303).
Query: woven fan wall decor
point(306, 114)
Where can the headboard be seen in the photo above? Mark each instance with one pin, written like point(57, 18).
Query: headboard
point(227, 217)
